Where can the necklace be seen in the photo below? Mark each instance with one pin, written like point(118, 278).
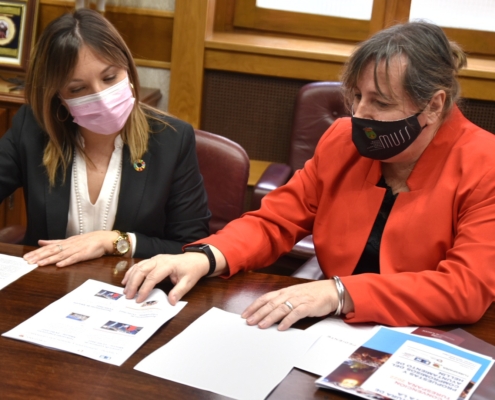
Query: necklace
point(78, 195)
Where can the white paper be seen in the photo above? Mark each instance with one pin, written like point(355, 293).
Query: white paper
point(12, 268)
point(220, 353)
point(96, 321)
point(338, 340)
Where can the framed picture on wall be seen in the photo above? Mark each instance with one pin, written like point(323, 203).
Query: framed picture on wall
point(17, 29)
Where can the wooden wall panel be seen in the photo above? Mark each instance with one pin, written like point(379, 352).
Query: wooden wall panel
point(475, 88)
point(12, 208)
point(3, 129)
point(48, 11)
point(148, 33)
point(224, 15)
point(397, 11)
point(186, 72)
point(3, 121)
point(149, 36)
point(266, 65)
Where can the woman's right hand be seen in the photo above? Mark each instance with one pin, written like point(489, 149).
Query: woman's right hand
point(184, 270)
point(77, 248)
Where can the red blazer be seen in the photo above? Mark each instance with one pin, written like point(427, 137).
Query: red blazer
point(437, 255)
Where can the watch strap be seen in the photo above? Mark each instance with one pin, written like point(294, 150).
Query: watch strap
point(205, 249)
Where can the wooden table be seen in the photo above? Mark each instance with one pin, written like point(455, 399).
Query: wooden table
point(28, 371)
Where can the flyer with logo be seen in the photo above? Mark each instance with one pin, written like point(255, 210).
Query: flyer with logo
point(95, 320)
point(401, 366)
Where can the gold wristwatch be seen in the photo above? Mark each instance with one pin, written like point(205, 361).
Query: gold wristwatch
point(121, 245)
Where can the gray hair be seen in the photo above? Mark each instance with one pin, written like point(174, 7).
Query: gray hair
point(432, 64)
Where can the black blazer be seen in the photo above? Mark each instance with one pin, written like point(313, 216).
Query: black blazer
point(165, 205)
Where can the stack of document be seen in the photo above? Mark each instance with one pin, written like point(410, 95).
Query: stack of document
point(397, 365)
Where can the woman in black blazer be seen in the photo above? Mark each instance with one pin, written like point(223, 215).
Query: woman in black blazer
point(101, 172)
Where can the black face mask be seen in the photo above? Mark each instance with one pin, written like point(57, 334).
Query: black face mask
point(381, 140)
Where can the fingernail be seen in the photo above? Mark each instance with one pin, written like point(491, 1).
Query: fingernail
point(250, 320)
point(262, 324)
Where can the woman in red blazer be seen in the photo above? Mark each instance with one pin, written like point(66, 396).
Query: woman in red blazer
point(400, 199)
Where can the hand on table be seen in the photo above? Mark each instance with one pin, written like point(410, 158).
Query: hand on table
point(184, 270)
point(313, 299)
point(69, 251)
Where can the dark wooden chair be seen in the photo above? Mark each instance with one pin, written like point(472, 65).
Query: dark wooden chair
point(224, 165)
point(13, 234)
point(318, 105)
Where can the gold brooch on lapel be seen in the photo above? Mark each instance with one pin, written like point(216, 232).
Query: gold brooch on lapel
point(139, 165)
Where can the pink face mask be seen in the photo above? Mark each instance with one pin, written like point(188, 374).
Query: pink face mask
point(105, 112)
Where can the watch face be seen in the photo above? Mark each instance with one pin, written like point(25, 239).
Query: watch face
point(122, 246)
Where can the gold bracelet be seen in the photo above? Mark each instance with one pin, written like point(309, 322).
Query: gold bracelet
point(341, 293)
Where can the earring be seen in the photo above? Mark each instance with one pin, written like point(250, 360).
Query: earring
point(132, 89)
point(58, 112)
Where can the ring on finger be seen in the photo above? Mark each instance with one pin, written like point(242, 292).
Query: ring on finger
point(289, 304)
point(60, 247)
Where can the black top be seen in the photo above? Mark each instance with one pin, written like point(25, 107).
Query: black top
point(165, 204)
point(370, 259)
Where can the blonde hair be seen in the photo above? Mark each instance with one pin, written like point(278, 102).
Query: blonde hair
point(52, 64)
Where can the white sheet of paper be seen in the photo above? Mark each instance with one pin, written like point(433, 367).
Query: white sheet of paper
point(338, 340)
point(220, 353)
point(12, 268)
point(95, 320)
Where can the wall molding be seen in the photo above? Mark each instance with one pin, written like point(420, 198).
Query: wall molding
point(152, 64)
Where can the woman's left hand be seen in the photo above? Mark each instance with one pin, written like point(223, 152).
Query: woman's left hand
point(72, 250)
point(314, 299)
